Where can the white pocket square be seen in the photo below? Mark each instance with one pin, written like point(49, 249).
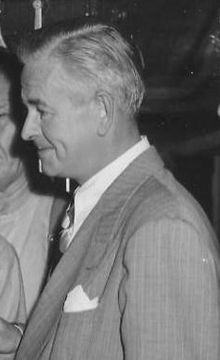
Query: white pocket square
point(77, 300)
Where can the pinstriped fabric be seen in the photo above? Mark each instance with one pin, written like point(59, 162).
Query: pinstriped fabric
point(174, 313)
point(155, 272)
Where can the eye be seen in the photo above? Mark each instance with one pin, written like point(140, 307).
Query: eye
point(43, 113)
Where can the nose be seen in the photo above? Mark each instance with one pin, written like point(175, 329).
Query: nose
point(31, 126)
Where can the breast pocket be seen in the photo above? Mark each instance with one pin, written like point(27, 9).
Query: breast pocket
point(75, 334)
point(77, 301)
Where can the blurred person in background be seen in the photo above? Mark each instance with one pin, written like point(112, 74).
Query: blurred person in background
point(24, 211)
point(26, 216)
point(12, 299)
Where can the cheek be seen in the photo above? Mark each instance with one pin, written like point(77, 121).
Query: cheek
point(81, 138)
point(70, 133)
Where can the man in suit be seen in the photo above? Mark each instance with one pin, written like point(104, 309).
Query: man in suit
point(139, 277)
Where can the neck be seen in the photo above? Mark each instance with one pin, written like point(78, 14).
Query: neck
point(110, 151)
point(118, 144)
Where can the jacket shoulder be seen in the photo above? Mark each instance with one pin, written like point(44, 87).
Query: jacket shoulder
point(162, 196)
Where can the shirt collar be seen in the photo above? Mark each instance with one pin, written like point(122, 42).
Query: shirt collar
point(87, 196)
point(92, 190)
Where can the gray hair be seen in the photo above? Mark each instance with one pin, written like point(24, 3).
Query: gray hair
point(100, 56)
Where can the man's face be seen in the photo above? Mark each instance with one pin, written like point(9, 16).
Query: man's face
point(61, 120)
point(10, 164)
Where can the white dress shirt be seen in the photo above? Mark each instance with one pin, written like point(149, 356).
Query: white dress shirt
point(87, 195)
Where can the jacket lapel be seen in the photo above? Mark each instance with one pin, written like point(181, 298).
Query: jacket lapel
point(90, 245)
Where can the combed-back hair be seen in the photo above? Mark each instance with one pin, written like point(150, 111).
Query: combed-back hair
point(94, 53)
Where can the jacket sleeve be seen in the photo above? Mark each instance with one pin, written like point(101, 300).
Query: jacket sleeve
point(169, 294)
point(12, 301)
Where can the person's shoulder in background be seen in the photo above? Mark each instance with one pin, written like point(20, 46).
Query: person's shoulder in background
point(12, 300)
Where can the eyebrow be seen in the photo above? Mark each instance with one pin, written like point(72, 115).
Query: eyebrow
point(35, 102)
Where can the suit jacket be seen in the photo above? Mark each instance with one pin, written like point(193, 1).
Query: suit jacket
point(148, 253)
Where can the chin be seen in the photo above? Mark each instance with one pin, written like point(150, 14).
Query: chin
point(53, 169)
point(49, 170)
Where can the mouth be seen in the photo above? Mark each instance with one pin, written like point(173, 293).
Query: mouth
point(42, 151)
point(41, 146)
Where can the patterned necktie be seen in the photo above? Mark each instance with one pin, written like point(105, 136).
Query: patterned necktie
point(67, 227)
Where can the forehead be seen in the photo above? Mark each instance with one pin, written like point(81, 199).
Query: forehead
point(35, 76)
point(48, 80)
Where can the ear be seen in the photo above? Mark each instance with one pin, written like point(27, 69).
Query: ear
point(106, 112)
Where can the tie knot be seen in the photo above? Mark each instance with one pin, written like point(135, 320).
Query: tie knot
point(68, 219)
point(67, 227)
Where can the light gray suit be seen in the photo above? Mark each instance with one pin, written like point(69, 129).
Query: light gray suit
point(148, 252)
